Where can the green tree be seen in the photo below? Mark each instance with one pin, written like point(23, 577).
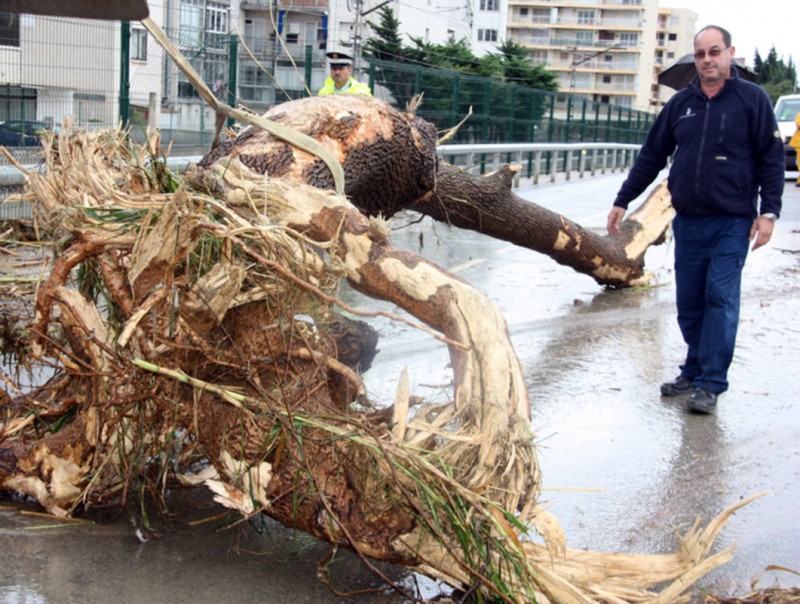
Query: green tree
point(387, 44)
point(504, 91)
point(775, 75)
point(516, 67)
point(510, 64)
point(453, 54)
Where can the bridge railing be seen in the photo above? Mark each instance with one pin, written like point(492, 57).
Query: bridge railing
point(538, 162)
point(543, 160)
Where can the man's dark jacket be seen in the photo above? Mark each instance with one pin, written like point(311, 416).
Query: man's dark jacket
point(727, 148)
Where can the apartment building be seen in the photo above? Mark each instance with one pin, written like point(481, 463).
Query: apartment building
point(489, 25)
point(607, 50)
point(52, 68)
point(674, 39)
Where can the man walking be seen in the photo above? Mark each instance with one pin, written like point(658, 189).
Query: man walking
point(727, 153)
point(342, 80)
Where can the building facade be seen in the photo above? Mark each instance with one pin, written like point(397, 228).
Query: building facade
point(674, 39)
point(273, 50)
point(607, 50)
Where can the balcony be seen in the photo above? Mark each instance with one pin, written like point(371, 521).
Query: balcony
point(284, 4)
point(265, 48)
point(597, 65)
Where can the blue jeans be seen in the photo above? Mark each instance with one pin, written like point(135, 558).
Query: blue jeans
point(710, 252)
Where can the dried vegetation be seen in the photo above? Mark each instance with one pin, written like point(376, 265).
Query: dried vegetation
point(193, 320)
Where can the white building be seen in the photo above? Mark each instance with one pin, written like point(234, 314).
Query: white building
point(608, 50)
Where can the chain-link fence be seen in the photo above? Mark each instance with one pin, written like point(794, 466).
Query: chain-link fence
point(503, 112)
point(97, 74)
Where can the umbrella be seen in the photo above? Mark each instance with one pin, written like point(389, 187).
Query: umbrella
point(679, 73)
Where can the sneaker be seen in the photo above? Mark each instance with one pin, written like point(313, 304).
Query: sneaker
point(702, 401)
point(678, 387)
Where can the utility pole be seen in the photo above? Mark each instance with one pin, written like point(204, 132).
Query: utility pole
point(357, 38)
point(358, 47)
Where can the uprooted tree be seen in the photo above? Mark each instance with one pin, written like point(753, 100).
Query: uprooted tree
point(390, 165)
point(195, 317)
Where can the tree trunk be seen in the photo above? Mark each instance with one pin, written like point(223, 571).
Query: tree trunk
point(215, 341)
point(390, 165)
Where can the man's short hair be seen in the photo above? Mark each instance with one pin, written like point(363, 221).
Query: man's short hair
point(726, 35)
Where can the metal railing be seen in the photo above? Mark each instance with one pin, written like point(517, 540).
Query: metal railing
point(537, 161)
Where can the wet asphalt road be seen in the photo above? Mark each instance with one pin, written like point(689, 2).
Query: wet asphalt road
point(623, 468)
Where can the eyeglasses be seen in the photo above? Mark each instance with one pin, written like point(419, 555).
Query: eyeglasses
point(712, 52)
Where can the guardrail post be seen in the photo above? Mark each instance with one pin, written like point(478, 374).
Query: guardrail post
point(124, 73)
point(233, 62)
point(537, 169)
point(553, 166)
point(568, 164)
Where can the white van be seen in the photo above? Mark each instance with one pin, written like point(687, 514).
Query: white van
point(786, 109)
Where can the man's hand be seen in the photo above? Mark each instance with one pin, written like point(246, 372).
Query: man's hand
point(615, 220)
point(761, 231)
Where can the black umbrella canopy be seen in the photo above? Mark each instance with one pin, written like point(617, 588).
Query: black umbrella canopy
point(679, 73)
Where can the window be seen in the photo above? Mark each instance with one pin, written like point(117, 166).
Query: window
point(185, 88)
point(580, 80)
point(310, 32)
point(540, 36)
point(523, 12)
point(138, 44)
point(490, 4)
point(606, 79)
point(292, 38)
point(629, 40)
point(322, 33)
point(195, 21)
point(487, 35)
point(9, 29)
point(673, 37)
point(216, 26)
point(215, 73)
point(216, 18)
point(584, 38)
point(585, 17)
point(255, 37)
point(191, 24)
point(16, 102)
point(541, 15)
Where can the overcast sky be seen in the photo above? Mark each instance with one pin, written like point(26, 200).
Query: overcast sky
point(753, 25)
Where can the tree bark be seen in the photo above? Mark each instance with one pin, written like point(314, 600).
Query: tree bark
point(489, 206)
point(217, 345)
point(390, 165)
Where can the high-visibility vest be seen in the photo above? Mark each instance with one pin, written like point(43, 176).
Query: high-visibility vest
point(355, 87)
